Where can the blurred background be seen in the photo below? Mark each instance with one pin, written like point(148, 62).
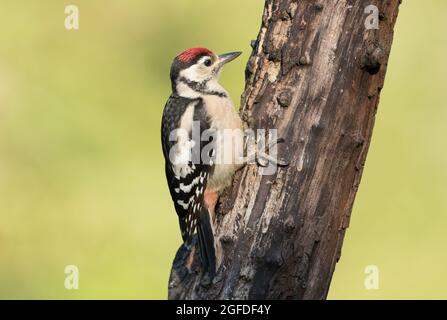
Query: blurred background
point(81, 169)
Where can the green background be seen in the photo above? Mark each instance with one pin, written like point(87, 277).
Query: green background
point(81, 170)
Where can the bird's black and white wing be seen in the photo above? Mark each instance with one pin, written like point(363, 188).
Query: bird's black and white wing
point(186, 172)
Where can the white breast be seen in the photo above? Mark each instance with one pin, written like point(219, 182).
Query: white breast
point(229, 140)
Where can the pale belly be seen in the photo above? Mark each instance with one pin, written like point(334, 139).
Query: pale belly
point(229, 143)
point(223, 171)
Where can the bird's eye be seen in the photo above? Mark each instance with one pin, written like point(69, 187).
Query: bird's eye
point(208, 62)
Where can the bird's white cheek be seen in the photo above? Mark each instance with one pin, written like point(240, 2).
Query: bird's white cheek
point(195, 73)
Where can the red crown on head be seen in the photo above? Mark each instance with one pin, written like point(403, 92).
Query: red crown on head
point(191, 53)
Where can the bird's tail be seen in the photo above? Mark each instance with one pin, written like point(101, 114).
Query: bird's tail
point(206, 242)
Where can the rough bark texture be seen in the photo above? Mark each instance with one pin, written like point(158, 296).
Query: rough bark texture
point(315, 74)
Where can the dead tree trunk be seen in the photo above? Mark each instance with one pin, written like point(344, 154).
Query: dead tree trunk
point(315, 74)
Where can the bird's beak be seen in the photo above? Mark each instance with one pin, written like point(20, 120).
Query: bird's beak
point(228, 57)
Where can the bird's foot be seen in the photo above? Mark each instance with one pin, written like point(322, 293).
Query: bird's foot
point(267, 155)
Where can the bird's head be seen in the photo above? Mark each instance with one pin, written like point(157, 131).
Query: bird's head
point(199, 67)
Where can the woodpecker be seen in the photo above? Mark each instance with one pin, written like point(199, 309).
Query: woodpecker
point(198, 100)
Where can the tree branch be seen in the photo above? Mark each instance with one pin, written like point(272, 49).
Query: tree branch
point(315, 74)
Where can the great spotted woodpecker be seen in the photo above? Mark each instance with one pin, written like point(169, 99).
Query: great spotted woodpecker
point(198, 103)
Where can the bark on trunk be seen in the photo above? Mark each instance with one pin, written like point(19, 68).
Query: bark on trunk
point(315, 74)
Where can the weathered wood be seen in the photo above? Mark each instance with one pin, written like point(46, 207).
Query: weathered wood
point(315, 74)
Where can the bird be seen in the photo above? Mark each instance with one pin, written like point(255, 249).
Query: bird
point(196, 175)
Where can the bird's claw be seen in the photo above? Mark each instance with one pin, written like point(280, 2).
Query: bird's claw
point(263, 159)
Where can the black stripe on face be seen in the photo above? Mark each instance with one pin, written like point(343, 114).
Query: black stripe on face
point(201, 87)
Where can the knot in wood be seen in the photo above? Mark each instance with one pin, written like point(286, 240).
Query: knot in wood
point(373, 58)
point(285, 99)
